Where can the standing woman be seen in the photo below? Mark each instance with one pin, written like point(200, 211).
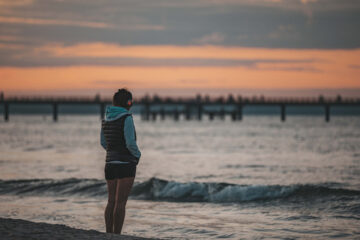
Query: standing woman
point(118, 137)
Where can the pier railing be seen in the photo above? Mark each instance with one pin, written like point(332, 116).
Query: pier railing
point(190, 108)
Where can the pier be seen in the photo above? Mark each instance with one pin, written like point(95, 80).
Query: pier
point(190, 108)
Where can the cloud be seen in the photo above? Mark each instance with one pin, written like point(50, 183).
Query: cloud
point(284, 31)
point(112, 55)
point(308, 1)
point(354, 66)
point(34, 21)
point(100, 54)
point(307, 8)
point(9, 38)
point(37, 21)
point(187, 22)
point(11, 46)
point(213, 38)
point(15, 3)
point(149, 63)
point(288, 66)
point(98, 50)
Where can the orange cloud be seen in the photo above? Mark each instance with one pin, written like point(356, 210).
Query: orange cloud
point(203, 52)
point(329, 69)
point(37, 21)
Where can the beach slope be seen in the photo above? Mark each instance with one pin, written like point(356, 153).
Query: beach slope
point(21, 229)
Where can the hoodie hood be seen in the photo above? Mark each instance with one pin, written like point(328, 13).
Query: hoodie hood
point(113, 112)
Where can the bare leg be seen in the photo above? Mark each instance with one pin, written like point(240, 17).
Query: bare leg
point(123, 188)
point(109, 222)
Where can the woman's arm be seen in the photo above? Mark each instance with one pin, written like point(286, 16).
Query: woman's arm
point(130, 139)
point(102, 139)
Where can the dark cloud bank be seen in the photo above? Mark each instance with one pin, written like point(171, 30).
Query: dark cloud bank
point(322, 24)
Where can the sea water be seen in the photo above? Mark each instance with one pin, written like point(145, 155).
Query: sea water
point(258, 178)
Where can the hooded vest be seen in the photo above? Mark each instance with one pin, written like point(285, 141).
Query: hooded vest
point(116, 149)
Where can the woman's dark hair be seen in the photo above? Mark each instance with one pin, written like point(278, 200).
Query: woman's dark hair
point(122, 97)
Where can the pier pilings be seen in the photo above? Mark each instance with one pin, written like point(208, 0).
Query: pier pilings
point(189, 108)
point(239, 112)
point(200, 111)
point(6, 111)
point(327, 112)
point(55, 112)
point(283, 112)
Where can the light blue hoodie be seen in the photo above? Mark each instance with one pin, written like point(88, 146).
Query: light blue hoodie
point(112, 113)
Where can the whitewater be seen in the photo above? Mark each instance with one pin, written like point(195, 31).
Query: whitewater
point(255, 179)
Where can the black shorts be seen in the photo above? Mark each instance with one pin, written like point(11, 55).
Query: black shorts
point(113, 171)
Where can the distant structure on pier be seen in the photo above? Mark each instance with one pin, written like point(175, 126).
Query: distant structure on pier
point(190, 108)
point(199, 106)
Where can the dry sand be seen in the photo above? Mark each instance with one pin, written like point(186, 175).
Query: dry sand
point(21, 229)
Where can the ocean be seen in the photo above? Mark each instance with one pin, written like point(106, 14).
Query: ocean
point(258, 178)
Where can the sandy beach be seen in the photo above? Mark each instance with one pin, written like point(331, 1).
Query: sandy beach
point(21, 229)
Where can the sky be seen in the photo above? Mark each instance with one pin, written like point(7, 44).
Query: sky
point(180, 47)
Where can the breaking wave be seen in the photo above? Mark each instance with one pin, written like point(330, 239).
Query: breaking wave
point(162, 190)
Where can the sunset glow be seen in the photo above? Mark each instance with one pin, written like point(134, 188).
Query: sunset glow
point(99, 47)
point(271, 68)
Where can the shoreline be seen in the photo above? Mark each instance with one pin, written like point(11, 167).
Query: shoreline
point(18, 229)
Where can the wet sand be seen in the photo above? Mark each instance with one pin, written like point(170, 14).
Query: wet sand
point(21, 229)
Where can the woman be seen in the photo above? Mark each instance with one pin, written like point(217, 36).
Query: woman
point(118, 137)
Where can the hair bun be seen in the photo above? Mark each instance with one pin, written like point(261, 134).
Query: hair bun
point(122, 98)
